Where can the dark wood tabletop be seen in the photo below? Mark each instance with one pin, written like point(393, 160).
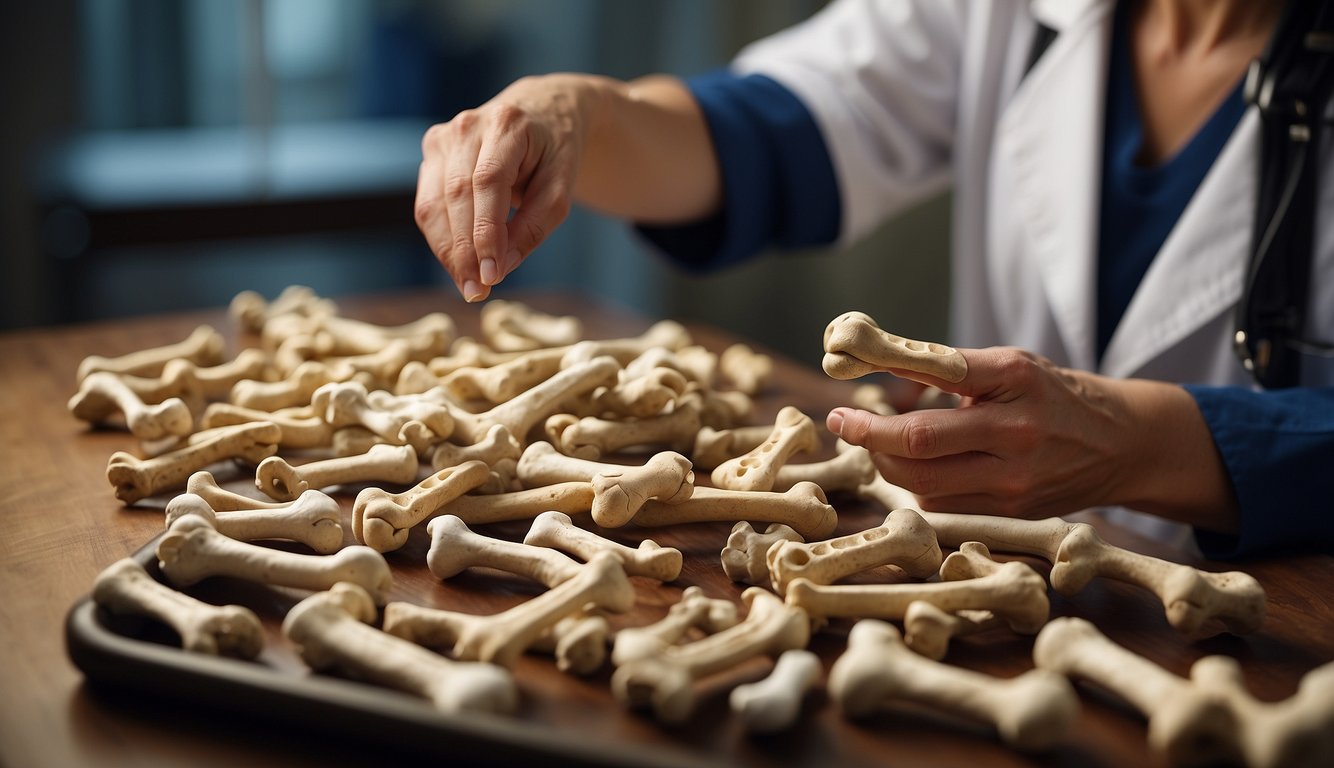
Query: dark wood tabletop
point(60, 525)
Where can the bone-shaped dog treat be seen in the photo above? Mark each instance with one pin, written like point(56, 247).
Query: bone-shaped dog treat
point(414, 378)
point(293, 391)
point(1014, 591)
point(400, 421)
point(1197, 603)
point(332, 630)
point(633, 397)
point(251, 311)
point(1033, 711)
point(204, 346)
point(571, 498)
point(301, 427)
point(136, 479)
point(745, 369)
point(219, 499)
point(426, 337)
point(102, 394)
point(772, 704)
point(873, 398)
point(903, 540)
point(1208, 719)
point(557, 531)
point(498, 445)
point(455, 548)
point(591, 438)
point(803, 507)
point(193, 550)
point(126, 588)
point(666, 681)
point(194, 384)
point(512, 326)
point(504, 381)
point(928, 630)
point(500, 638)
point(668, 334)
point(381, 520)
point(579, 643)
point(618, 491)
point(855, 346)
point(848, 471)
point(314, 519)
point(793, 432)
point(714, 446)
point(520, 413)
point(694, 610)
point(744, 556)
point(385, 463)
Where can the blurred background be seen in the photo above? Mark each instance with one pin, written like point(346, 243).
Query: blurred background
point(160, 155)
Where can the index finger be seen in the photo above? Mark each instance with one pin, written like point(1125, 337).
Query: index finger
point(928, 434)
point(494, 178)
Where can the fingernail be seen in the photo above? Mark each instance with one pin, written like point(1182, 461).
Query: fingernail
point(472, 291)
point(489, 272)
point(834, 422)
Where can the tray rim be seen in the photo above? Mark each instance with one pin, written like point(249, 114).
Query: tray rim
point(325, 703)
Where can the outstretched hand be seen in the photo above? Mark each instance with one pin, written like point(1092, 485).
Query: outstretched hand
point(1032, 439)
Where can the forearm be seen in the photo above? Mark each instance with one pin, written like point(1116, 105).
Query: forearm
point(1171, 466)
point(648, 155)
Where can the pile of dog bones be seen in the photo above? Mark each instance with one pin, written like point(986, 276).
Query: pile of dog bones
point(533, 423)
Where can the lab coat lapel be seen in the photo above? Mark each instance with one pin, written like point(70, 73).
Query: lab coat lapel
point(1051, 139)
point(1198, 272)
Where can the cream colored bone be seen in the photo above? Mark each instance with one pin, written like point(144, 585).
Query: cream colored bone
point(903, 540)
point(194, 384)
point(295, 390)
point(557, 531)
point(693, 611)
point(314, 519)
point(695, 363)
point(619, 491)
point(1034, 711)
point(302, 429)
point(745, 369)
point(579, 643)
point(102, 394)
point(713, 446)
point(855, 346)
point(848, 471)
point(1197, 603)
point(928, 630)
point(803, 507)
point(474, 509)
point(219, 499)
point(665, 681)
point(1013, 591)
point(381, 520)
point(501, 638)
point(385, 463)
point(426, 337)
point(498, 445)
point(724, 410)
point(505, 381)
point(404, 420)
point(251, 311)
point(592, 438)
point(511, 326)
point(135, 479)
point(332, 630)
point(793, 432)
point(773, 704)
point(455, 548)
point(633, 397)
point(126, 588)
point(522, 412)
point(204, 346)
point(193, 550)
point(668, 334)
point(744, 556)
point(1208, 719)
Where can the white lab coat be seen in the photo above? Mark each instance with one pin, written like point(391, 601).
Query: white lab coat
point(912, 95)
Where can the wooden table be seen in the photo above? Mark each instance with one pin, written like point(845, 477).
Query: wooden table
point(60, 526)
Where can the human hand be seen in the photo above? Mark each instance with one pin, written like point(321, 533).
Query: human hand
point(1032, 440)
point(521, 151)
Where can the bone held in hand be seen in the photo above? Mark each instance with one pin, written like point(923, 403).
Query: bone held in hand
point(855, 346)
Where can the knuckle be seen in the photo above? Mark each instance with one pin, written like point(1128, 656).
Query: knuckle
point(458, 187)
point(1018, 366)
point(465, 121)
point(924, 478)
point(425, 210)
point(507, 116)
point(488, 173)
point(434, 136)
point(920, 438)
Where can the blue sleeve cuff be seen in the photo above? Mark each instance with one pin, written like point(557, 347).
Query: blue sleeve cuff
point(779, 188)
point(1278, 449)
